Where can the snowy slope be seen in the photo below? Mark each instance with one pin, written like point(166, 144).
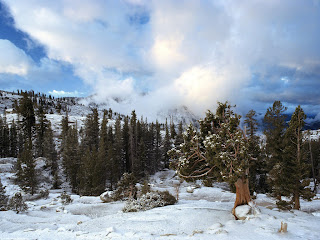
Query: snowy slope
point(203, 214)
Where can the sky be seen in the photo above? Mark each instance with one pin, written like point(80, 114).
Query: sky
point(153, 55)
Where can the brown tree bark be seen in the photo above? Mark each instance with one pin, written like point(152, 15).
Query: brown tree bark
point(296, 198)
point(242, 193)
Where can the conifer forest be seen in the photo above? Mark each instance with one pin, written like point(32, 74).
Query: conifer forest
point(141, 165)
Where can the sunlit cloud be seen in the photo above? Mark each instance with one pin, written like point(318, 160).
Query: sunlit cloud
point(181, 53)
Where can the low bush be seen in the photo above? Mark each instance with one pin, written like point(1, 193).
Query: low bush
point(17, 203)
point(148, 201)
point(65, 198)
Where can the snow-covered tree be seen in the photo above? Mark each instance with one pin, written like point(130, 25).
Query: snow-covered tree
point(3, 197)
point(219, 150)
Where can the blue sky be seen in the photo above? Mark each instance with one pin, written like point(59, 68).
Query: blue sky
point(159, 54)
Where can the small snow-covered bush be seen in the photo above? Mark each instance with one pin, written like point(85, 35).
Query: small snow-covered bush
point(148, 201)
point(284, 205)
point(145, 187)
point(126, 187)
point(44, 194)
point(17, 203)
point(65, 198)
point(3, 198)
point(106, 196)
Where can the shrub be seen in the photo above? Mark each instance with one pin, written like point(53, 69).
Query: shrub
point(44, 194)
point(126, 188)
point(65, 198)
point(145, 187)
point(168, 198)
point(3, 197)
point(17, 203)
point(284, 205)
point(148, 201)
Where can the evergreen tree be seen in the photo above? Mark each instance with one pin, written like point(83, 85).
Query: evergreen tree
point(257, 173)
point(87, 174)
point(219, 150)
point(296, 169)
point(3, 197)
point(158, 149)
point(150, 146)
point(50, 153)
point(70, 157)
point(13, 140)
point(4, 138)
point(173, 133)
point(133, 142)
point(26, 175)
point(179, 137)
point(118, 149)
point(166, 146)
point(27, 111)
point(91, 129)
point(275, 125)
point(126, 138)
point(100, 177)
point(41, 128)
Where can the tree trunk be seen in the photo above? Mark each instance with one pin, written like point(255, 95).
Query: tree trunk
point(242, 193)
point(296, 198)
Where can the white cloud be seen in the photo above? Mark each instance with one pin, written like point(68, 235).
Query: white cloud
point(12, 59)
point(190, 52)
point(62, 93)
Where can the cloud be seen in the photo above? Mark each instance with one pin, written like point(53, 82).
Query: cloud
point(13, 60)
point(62, 93)
point(183, 52)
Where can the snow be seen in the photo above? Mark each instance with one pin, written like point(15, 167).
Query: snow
point(203, 214)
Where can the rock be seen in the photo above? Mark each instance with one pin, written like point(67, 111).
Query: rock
point(190, 189)
point(106, 196)
point(215, 226)
point(243, 211)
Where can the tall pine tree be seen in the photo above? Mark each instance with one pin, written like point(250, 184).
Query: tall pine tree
point(275, 125)
point(296, 169)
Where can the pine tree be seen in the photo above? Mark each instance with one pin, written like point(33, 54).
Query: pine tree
point(91, 129)
point(86, 172)
point(219, 150)
point(150, 146)
point(166, 146)
point(50, 153)
point(4, 138)
point(99, 179)
point(158, 149)
point(118, 148)
point(26, 175)
point(41, 128)
point(27, 111)
point(133, 141)
point(257, 173)
point(70, 157)
point(179, 137)
point(3, 197)
point(275, 125)
point(125, 138)
point(13, 140)
point(296, 169)
point(172, 130)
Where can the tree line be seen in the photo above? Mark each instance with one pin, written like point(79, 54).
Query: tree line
point(279, 164)
point(93, 158)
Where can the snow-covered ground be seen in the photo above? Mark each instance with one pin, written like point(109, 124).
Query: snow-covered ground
point(201, 213)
